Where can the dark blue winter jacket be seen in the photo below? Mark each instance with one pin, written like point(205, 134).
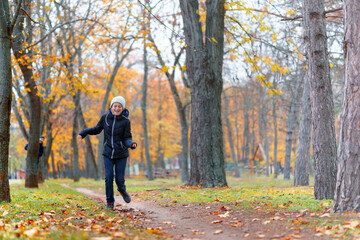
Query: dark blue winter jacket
point(117, 134)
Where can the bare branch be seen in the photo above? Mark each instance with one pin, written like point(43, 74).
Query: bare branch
point(13, 21)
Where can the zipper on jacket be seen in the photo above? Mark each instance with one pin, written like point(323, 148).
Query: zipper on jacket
point(112, 138)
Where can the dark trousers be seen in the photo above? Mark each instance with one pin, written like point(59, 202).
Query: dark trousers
point(119, 166)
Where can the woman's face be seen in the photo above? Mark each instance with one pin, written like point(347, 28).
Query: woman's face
point(116, 109)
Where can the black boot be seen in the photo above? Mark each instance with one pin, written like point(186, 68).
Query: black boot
point(125, 196)
point(110, 206)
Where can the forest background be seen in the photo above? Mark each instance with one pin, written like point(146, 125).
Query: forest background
point(85, 52)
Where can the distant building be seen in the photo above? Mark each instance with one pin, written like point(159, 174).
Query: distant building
point(20, 174)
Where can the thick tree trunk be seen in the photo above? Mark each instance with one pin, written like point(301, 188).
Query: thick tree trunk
point(231, 142)
point(290, 128)
point(347, 189)
point(302, 165)
point(34, 99)
point(204, 62)
point(324, 143)
point(5, 101)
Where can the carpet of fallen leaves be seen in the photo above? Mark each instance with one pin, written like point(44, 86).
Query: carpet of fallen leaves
point(256, 208)
point(54, 212)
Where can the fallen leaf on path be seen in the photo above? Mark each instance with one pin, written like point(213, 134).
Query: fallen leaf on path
point(224, 215)
point(225, 208)
point(216, 221)
point(295, 236)
point(153, 231)
point(261, 236)
point(255, 219)
point(246, 234)
point(325, 215)
point(196, 232)
point(266, 222)
point(218, 232)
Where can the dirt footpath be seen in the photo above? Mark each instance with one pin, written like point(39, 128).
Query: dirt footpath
point(209, 220)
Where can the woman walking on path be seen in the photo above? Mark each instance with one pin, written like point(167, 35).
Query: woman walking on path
point(117, 140)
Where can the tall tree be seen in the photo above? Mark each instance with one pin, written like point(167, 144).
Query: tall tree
point(347, 189)
point(144, 100)
point(24, 57)
point(324, 144)
point(204, 61)
point(5, 99)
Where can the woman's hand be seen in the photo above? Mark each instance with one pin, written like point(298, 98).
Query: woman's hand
point(79, 137)
point(134, 145)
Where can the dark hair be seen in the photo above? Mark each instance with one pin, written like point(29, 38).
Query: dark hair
point(42, 136)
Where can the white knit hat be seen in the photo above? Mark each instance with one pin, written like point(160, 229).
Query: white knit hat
point(118, 99)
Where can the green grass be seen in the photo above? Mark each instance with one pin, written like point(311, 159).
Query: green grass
point(247, 192)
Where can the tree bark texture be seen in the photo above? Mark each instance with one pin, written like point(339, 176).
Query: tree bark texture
point(302, 164)
point(34, 99)
point(347, 189)
point(204, 62)
point(5, 100)
point(324, 143)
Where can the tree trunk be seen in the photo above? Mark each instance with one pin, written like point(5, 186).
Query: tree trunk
point(229, 130)
point(290, 128)
point(324, 144)
point(74, 137)
point(53, 165)
point(275, 162)
point(302, 164)
point(160, 150)
point(34, 99)
point(144, 117)
point(347, 189)
point(5, 101)
point(204, 62)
